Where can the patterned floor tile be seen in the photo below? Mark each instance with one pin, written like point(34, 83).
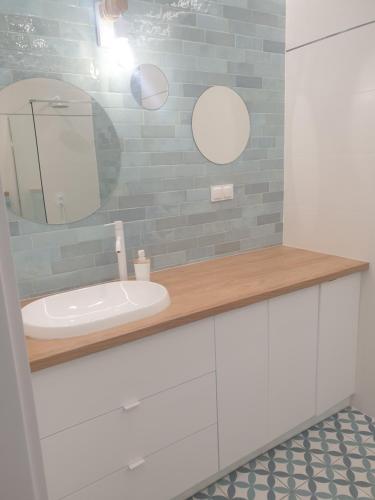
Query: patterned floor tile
point(348, 455)
point(334, 459)
point(320, 441)
point(322, 487)
point(326, 442)
point(353, 472)
point(370, 445)
point(253, 481)
point(213, 492)
point(293, 462)
point(354, 425)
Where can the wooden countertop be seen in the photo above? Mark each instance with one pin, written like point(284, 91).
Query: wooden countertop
point(204, 289)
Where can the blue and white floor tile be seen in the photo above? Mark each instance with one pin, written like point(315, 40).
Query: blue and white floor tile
point(334, 459)
point(213, 492)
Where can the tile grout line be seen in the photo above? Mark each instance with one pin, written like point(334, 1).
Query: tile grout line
point(222, 490)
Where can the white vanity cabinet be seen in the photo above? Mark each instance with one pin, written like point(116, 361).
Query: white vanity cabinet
point(159, 416)
point(338, 328)
point(94, 385)
point(163, 476)
point(125, 415)
point(282, 362)
point(242, 381)
point(293, 341)
point(266, 371)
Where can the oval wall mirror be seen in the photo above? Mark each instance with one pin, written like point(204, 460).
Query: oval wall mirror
point(149, 86)
point(221, 125)
point(59, 152)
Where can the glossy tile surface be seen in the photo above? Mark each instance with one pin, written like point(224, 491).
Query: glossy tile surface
point(163, 194)
point(334, 459)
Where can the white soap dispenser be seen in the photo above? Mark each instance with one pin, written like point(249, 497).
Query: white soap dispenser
point(142, 267)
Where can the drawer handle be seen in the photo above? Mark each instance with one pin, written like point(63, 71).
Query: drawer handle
point(136, 464)
point(131, 406)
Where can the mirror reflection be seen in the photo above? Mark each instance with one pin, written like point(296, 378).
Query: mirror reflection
point(59, 152)
point(221, 125)
point(149, 86)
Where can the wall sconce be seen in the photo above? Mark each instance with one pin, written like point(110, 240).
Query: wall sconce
point(111, 10)
point(107, 12)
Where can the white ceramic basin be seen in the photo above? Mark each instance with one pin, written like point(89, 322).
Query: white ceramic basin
point(92, 309)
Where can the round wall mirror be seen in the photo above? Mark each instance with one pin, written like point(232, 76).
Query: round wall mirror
point(221, 125)
point(149, 86)
point(59, 152)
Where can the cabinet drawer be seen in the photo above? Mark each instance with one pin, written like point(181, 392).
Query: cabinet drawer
point(78, 456)
point(163, 475)
point(80, 390)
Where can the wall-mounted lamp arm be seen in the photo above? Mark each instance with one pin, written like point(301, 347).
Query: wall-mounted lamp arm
point(111, 10)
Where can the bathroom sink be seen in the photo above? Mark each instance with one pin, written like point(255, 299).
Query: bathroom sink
point(91, 309)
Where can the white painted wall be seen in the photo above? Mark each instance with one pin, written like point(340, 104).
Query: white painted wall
point(25, 164)
point(7, 169)
point(309, 20)
point(21, 470)
point(69, 169)
point(330, 160)
point(19, 167)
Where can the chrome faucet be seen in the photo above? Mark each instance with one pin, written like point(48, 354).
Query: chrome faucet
point(120, 249)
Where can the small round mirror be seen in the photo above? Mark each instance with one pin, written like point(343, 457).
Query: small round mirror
point(221, 125)
point(149, 86)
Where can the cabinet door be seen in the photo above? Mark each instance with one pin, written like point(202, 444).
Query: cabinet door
point(242, 364)
point(338, 325)
point(293, 330)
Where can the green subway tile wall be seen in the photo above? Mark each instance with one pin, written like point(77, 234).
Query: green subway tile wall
point(163, 190)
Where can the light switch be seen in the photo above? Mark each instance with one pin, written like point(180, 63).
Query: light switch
point(228, 193)
point(222, 192)
point(216, 193)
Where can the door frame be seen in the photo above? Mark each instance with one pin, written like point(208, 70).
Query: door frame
point(21, 465)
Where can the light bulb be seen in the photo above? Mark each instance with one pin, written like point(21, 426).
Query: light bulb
point(123, 53)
